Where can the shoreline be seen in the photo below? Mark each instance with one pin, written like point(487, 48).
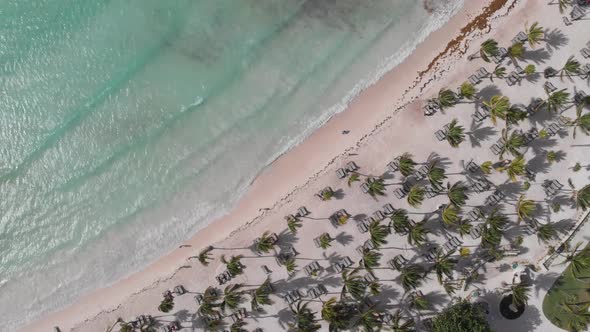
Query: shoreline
point(296, 169)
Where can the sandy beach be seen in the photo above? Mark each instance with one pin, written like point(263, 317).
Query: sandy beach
point(384, 121)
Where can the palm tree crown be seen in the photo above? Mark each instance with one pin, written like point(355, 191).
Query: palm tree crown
point(535, 34)
point(455, 133)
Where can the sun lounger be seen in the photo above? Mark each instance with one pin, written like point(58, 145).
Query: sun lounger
point(302, 211)
point(363, 226)
point(553, 129)
point(456, 241)
point(577, 13)
point(496, 148)
point(430, 192)
point(324, 192)
point(549, 87)
point(474, 80)
point(378, 215)
point(563, 122)
point(343, 263)
point(369, 245)
point(521, 37)
point(398, 262)
point(585, 52)
point(479, 185)
point(482, 73)
point(475, 232)
point(535, 106)
point(440, 135)
point(513, 78)
point(474, 215)
point(567, 21)
point(388, 208)
point(312, 268)
point(552, 187)
point(421, 173)
point(431, 108)
point(341, 173)
point(502, 52)
point(351, 166)
point(400, 192)
point(430, 255)
point(369, 277)
point(293, 296)
point(472, 167)
point(317, 291)
point(579, 97)
point(494, 198)
point(179, 290)
point(585, 70)
point(480, 114)
point(531, 135)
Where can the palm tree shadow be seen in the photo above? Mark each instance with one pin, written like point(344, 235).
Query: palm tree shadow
point(538, 56)
point(287, 239)
point(478, 133)
point(488, 92)
point(534, 78)
point(284, 316)
point(545, 281)
point(564, 226)
point(555, 39)
point(182, 315)
point(510, 189)
point(344, 239)
point(338, 194)
point(538, 164)
point(359, 217)
point(540, 145)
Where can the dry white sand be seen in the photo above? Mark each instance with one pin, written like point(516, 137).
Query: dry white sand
point(385, 121)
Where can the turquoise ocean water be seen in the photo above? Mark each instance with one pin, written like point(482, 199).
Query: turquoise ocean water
point(125, 126)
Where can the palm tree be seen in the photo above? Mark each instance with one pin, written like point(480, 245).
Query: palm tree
point(124, 326)
point(514, 115)
point(411, 276)
point(450, 215)
point(511, 143)
point(378, 233)
point(293, 223)
point(582, 198)
point(398, 324)
point(529, 70)
point(556, 100)
point(265, 243)
point(354, 177)
point(232, 296)
point(563, 4)
point(399, 219)
point(457, 193)
point(520, 293)
point(486, 167)
point(325, 241)
point(260, 296)
point(487, 49)
point(551, 156)
point(467, 91)
point(498, 72)
point(464, 227)
point(337, 314)
point(535, 33)
point(304, 318)
point(579, 261)
point(577, 316)
point(167, 304)
point(436, 174)
point(570, 68)
point(546, 232)
point(446, 98)
point(290, 265)
point(455, 134)
point(376, 187)
point(370, 259)
point(417, 234)
point(443, 266)
point(416, 195)
point(497, 106)
point(406, 164)
point(516, 168)
point(205, 256)
point(525, 208)
point(213, 324)
point(582, 122)
point(374, 287)
point(369, 319)
point(234, 266)
point(238, 326)
point(516, 51)
point(353, 284)
point(419, 302)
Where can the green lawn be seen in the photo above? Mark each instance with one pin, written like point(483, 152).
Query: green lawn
point(566, 286)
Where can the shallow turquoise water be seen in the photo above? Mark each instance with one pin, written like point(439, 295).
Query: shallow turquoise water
point(127, 125)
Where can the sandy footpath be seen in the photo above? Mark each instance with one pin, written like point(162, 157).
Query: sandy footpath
point(392, 104)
